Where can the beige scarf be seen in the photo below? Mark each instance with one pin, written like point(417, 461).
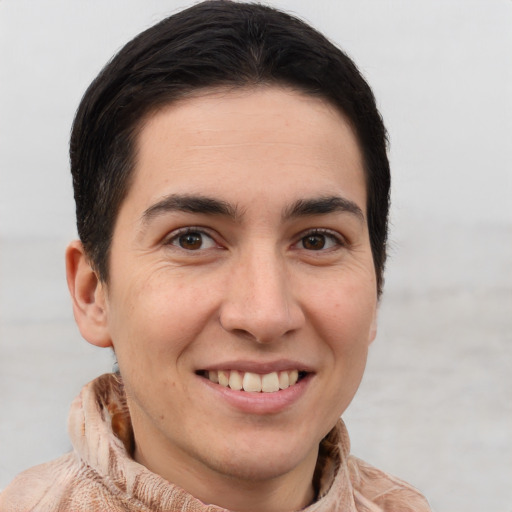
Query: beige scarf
point(100, 475)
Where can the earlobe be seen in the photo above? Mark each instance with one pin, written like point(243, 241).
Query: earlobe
point(373, 329)
point(88, 296)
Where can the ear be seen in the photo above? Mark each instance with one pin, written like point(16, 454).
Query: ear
point(88, 296)
point(373, 328)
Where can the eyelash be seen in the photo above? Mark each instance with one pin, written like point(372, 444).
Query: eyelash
point(176, 235)
point(338, 240)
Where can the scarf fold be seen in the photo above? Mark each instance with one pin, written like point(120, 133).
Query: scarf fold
point(100, 474)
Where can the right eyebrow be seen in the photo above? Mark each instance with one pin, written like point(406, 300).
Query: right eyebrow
point(191, 204)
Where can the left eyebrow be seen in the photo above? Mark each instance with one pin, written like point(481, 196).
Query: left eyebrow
point(323, 206)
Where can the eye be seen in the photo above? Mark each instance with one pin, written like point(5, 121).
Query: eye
point(192, 239)
point(320, 240)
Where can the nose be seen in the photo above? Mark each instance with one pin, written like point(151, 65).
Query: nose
point(260, 302)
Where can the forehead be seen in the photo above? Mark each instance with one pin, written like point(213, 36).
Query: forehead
point(227, 141)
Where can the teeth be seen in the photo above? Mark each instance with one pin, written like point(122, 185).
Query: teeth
point(284, 380)
point(235, 380)
point(270, 383)
point(223, 378)
point(253, 382)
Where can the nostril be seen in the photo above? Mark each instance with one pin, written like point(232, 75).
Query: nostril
point(242, 333)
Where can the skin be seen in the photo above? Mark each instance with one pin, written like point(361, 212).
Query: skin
point(257, 284)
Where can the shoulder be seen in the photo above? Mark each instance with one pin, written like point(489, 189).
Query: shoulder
point(66, 484)
point(375, 490)
point(42, 487)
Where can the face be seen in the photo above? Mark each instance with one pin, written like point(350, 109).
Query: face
point(242, 292)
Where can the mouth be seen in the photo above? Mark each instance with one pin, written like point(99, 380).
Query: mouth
point(254, 382)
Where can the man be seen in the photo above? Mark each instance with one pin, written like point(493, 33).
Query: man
point(232, 192)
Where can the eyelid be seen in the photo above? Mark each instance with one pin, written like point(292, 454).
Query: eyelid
point(175, 234)
point(340, 240)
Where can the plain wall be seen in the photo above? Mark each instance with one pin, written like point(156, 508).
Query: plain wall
point(435, 406)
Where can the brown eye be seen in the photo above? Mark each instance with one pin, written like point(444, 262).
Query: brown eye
point(320, 240)
point(314, 242)
point(192, 240)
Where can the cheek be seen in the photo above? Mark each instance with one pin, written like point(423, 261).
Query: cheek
point(156, 319)
point(345, 312)
point(343, 321)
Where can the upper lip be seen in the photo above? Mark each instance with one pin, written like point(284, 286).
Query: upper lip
point(259, 366)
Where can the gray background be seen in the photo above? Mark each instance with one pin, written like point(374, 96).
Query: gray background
point(435, 406)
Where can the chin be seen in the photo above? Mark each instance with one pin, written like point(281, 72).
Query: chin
point(265, 459)
point(258, 468)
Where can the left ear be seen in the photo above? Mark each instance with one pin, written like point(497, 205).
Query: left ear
point(373, 328)
point(88, 296)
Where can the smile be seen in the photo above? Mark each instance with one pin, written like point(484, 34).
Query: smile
point(254, 382)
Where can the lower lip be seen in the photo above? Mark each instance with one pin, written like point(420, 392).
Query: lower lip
point(260, 403)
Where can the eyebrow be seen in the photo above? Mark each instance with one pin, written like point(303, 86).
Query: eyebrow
point(190, 204)
point(210, 206)
point(322, 206)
